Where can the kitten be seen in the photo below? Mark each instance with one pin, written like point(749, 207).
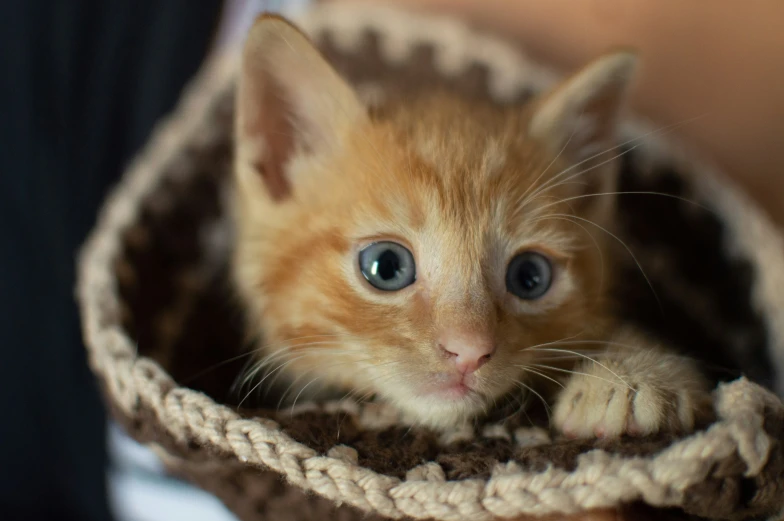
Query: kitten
point(440, 254)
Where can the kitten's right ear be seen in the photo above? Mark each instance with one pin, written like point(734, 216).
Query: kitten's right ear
point(579, 117)
point(290, 102)
point(577, 121)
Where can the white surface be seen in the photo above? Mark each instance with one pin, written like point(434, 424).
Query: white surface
point(139, 490)
point(132, 498)
point(127, 455)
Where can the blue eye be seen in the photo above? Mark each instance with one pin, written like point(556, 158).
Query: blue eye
point(388, 266)
point(529, 275)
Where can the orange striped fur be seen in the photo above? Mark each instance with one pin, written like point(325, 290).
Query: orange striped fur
point(463, 185)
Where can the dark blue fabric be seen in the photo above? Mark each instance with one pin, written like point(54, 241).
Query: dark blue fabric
point(81, 85)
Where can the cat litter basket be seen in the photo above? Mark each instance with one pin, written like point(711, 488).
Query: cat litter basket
point(161, 331)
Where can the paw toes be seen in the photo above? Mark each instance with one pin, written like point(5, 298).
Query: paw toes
point(615, 415)
point(685, 408)
point(592, 406)
point(599, 412)
point(648, 412)
point(564, 414)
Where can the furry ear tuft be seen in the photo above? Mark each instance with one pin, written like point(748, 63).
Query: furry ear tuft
point(577, 122)
point(579, 117)
point(290, 101)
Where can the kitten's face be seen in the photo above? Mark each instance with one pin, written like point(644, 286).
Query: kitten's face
point(426, 255)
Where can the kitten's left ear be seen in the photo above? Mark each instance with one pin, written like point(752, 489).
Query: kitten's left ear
point(578, 119)
point(290, 103)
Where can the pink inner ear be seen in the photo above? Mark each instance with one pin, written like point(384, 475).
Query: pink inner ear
point(270, 122)
point(595, 127)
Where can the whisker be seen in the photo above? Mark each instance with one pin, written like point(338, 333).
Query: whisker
point(595, 362)
point(631, 347)
point(598, 250)
point(280, 367)
point(293, 405)
point(551, 184)
point(521, 402)
point(288, 341)
point(633, 192)
point(554, 342)
point(628, 250)
point(568, 371)
point(248, 354)
point(527, 368)
point(544, 402)
point(214, 367)
point(549, 165)
point(661, 130)
point(302, 353)
point(291, 350)
point(320, 368)
point(383, 378)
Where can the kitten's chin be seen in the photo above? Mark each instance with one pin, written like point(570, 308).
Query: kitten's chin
point(448, 386)
point(440, 401)
point(443, 409)
point(441, 413)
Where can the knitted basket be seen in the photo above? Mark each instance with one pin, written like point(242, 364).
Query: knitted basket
point(164, 340)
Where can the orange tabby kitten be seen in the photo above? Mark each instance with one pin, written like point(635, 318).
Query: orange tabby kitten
point(440, 254)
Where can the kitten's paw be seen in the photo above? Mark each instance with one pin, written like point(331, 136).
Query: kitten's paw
point(612, 399)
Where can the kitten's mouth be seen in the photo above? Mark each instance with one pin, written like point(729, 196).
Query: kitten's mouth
point(450, 386)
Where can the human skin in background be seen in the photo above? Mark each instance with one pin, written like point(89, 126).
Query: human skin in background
point(717, 61)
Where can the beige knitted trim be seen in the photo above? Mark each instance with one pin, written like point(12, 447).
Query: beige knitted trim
point(599, 480)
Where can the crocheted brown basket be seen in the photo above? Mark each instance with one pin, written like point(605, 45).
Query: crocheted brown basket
point(163, 337)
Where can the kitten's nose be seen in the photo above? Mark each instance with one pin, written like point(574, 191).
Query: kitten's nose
point(468, 350)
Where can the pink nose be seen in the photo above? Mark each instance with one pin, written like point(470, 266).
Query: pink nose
point(468, 350)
